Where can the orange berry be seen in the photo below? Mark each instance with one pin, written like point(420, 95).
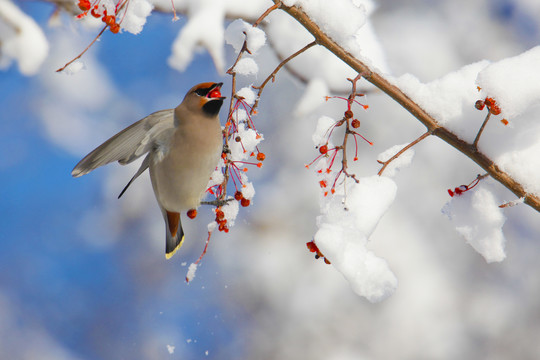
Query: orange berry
point(495, 110)
point(84, 5)
point(479, 104)
point(348, 114)
point(115, 28)
point(238, 195)
point(244, 202)
point(192, 213)
point(355, 123)
point(323, 149)
point(261, 156)
point(220, 215)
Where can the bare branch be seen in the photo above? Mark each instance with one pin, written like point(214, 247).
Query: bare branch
point(85, 50)
point(398, 154)
point(273, 74)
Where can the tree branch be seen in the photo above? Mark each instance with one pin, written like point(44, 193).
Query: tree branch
point(401, 98)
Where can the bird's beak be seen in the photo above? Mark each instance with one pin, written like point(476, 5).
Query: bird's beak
point(215, 92)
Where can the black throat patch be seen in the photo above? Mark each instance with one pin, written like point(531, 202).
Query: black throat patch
point(212, 107)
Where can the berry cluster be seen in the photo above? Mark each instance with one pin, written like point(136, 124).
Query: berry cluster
point(491, 105)
point(329, 153)
point(97, 10)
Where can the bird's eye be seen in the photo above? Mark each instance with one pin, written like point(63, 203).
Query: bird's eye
point(201, 92)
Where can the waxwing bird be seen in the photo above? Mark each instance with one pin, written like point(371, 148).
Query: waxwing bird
point(183, 147)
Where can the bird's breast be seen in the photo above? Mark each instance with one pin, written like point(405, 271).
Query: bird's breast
point(181, 169)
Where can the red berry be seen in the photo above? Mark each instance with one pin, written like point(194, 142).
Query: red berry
point(109, 20)
point(261, 156)
point(348, 114)
point(84, 5)
point(220, 215)
point(479, 105)
point(244, 202)
point(355, 123)
point(495, 110)
point(214, 94)
point(323, 149)
point(238, 196)
point(237, 139)
point(192, 213)
point(115, 28)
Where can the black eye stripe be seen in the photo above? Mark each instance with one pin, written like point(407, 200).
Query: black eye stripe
point(203, 92)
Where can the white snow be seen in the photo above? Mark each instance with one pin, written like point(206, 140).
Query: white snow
point(170, 349)
point(74, 67)
point(477, 217)
point(320, 136)
point(238, 31)
point(191, 272)
point(444, 98)
point(248, 94)
point(312, 98)
point(241, 150)
point(345, 224)
point(246, 66)
point(514, 82)
point(21, 40)
point(397, 164)
point(135, 16)
point(204, 28)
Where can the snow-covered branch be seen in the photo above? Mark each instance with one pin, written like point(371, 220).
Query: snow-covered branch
point(432, 125)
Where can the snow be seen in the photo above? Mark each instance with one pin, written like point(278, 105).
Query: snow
point(320, 136)
point(248, 95)
point(191, 272)
point(514, 82)
point(204, 28)
point(170, 349)
point(241, 150)
point(21, 40)
point(135, 15)
point(74, 67)
point(246, 66)
point(397, 164)
point(318, 62)
point(312, 98)
point(238, 31)
point(445, 98)
point(344, 226)
point(477, 217)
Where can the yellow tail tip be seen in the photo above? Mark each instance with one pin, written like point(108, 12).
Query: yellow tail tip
point(171, 253)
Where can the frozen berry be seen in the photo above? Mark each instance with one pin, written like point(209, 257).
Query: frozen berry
point(192, 213)
point(323, 149)
point(244, 202)
point(348, 114)
point(238, 196)
point(261, 156)
point(355, 123)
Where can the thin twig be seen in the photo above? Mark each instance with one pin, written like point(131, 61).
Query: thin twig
point(85, 50)
point(477, 138)
point(273, 74)
point(398, 154)
point(268, 11)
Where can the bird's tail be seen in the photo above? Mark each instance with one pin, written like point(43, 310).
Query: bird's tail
point(174, 232)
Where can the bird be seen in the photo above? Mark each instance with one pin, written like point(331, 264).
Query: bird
point(182, 146)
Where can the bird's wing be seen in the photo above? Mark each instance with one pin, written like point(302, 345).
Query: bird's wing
point(130, 143)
